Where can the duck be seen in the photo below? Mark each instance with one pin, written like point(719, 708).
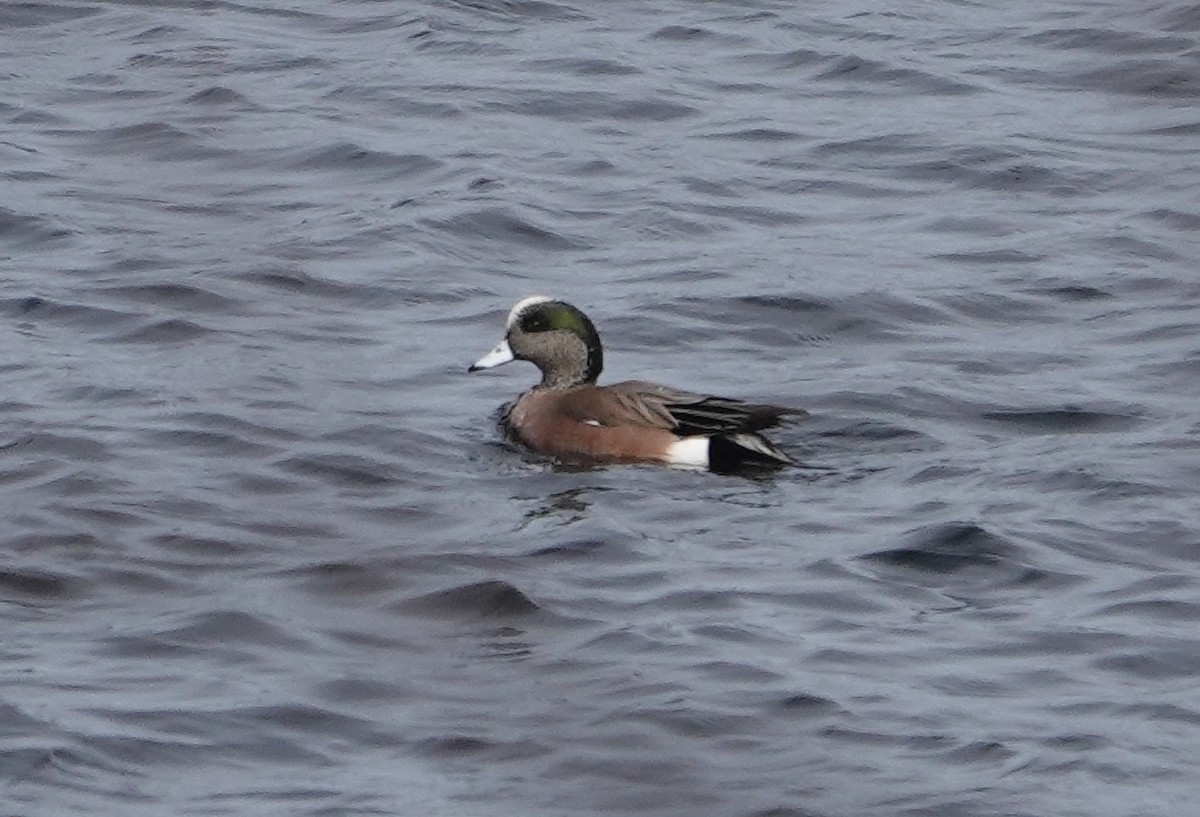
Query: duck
point(570, 417)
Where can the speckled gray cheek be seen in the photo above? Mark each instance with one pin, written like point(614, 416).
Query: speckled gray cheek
point(563, 359)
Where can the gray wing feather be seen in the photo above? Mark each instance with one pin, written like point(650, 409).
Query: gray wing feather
point(692, 413)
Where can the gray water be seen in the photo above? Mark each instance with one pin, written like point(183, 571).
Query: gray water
point(266, 552)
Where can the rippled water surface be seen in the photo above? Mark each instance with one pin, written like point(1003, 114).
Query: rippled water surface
point(266, 552)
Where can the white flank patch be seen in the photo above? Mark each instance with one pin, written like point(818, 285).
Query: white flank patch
point(690, 451)
point(524, 304)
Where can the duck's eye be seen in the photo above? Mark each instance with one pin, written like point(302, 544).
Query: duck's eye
point(536, 322)
point(553, 317)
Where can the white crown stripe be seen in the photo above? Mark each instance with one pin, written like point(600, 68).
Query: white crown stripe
point(524, 304)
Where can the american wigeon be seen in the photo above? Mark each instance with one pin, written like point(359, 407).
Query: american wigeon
point(568, 416)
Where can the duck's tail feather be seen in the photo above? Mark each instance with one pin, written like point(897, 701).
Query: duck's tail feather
point(716, 415)
point(731, 452)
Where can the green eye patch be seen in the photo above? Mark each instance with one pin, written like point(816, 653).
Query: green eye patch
point(551, 316)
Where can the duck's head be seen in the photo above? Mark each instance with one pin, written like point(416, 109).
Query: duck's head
point(552, 335)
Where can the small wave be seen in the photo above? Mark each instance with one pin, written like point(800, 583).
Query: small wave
point(184, 297)
point(586, 106)
point(480, 749)
point(1112, 42)
point(171, 330)
point(341, 469)
point(1066, 420)
point(872, 72)
point(226, 628)
point(963, 554)
point(160, 141)
point(947, 548)
point(1155, 78)
point(220, 96)
point(32, 15)
point(28, 232)
point(585, 67)
point(35, 584)
point(487, 599)
point(350, 157)
point(497, 224)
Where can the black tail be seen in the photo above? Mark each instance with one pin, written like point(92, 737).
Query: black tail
point(729, 453)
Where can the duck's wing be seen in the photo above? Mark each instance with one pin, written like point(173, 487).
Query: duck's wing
point(690, 413)
point(616, 407)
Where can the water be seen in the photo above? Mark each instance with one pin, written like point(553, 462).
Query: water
point(266, 552)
